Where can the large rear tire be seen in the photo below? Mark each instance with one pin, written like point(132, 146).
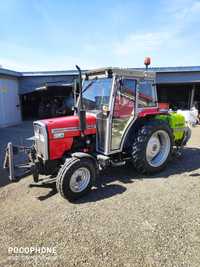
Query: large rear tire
point(152, 147)
point(75, 178)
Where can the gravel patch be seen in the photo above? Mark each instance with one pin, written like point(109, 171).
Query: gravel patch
point(128, 220)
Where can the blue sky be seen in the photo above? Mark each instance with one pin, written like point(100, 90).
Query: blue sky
point(56, 35)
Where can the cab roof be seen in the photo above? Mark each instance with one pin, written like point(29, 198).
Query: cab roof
point(109, 71)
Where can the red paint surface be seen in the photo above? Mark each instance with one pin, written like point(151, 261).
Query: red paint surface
point(151, 111)
point(57, 147)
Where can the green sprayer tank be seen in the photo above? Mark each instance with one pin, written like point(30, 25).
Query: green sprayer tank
point(176, 123)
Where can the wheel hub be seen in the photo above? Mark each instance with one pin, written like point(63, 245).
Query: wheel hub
point(80, 180)
point(158, 148)
point(153, 147)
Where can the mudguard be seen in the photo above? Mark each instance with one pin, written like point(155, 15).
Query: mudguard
point(177, 124)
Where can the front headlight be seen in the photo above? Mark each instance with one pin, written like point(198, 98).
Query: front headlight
point(41, 138)
point(38, 134)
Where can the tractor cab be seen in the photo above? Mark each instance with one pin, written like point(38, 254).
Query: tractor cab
point(117, 97)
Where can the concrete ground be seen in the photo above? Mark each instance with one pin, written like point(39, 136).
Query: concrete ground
point(17, 135)
point(128, 220)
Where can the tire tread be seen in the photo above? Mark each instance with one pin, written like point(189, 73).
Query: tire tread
point(140, 142)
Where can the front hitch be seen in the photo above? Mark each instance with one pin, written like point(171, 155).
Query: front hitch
point(11, 151)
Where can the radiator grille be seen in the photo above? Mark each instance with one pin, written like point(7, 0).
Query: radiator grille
point(40, 140)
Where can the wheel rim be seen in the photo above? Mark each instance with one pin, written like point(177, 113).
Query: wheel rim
point(158, 148)
point(80, 180)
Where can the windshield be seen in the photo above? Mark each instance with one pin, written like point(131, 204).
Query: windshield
point(96, 94)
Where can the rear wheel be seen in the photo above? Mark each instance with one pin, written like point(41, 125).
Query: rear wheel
point(152, 147)
point(75, 178)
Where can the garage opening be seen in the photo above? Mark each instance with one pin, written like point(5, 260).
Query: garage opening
point(51, 100)
point(179, 96)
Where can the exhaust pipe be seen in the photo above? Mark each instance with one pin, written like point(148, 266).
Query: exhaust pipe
point(81, 110)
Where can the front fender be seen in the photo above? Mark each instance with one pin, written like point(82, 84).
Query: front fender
point(80, 155)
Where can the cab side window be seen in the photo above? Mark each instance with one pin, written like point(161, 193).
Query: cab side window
point(125, 99)
point(147, 95)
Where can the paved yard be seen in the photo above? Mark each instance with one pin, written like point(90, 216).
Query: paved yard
point(128, 220)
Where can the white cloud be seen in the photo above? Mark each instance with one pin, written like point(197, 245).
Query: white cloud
point(47, 63)
point(185, 11)
point(7, 63)
point(147, 42)
point(172, 43)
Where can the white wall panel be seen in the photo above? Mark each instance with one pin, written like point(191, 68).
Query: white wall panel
point(10, 113)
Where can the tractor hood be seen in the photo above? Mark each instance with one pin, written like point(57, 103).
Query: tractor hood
point(69, 126)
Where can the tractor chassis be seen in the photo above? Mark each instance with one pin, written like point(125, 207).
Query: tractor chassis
point(36, 167)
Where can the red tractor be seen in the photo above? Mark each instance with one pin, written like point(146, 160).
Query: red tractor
point(116, 120)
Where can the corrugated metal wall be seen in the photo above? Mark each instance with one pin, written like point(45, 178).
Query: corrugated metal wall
point(177, 77)
point(10, 113)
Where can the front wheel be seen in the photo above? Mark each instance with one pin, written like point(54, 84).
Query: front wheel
point(75, 178)
point(152, 147)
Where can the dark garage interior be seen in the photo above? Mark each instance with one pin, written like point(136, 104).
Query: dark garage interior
point(177, 95)
point(180, 96)
point(45, 102)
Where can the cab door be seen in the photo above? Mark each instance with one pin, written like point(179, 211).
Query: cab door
point(123, 111)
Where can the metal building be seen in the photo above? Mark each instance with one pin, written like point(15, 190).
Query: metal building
point(178, 86)
point(20, 92)
point(42, 93)
point(10, 113)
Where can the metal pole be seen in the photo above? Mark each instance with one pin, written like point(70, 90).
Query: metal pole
point(11, 162)
point(81, 110)
point(80, 86)
point(192, 96)
point(75, 96)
